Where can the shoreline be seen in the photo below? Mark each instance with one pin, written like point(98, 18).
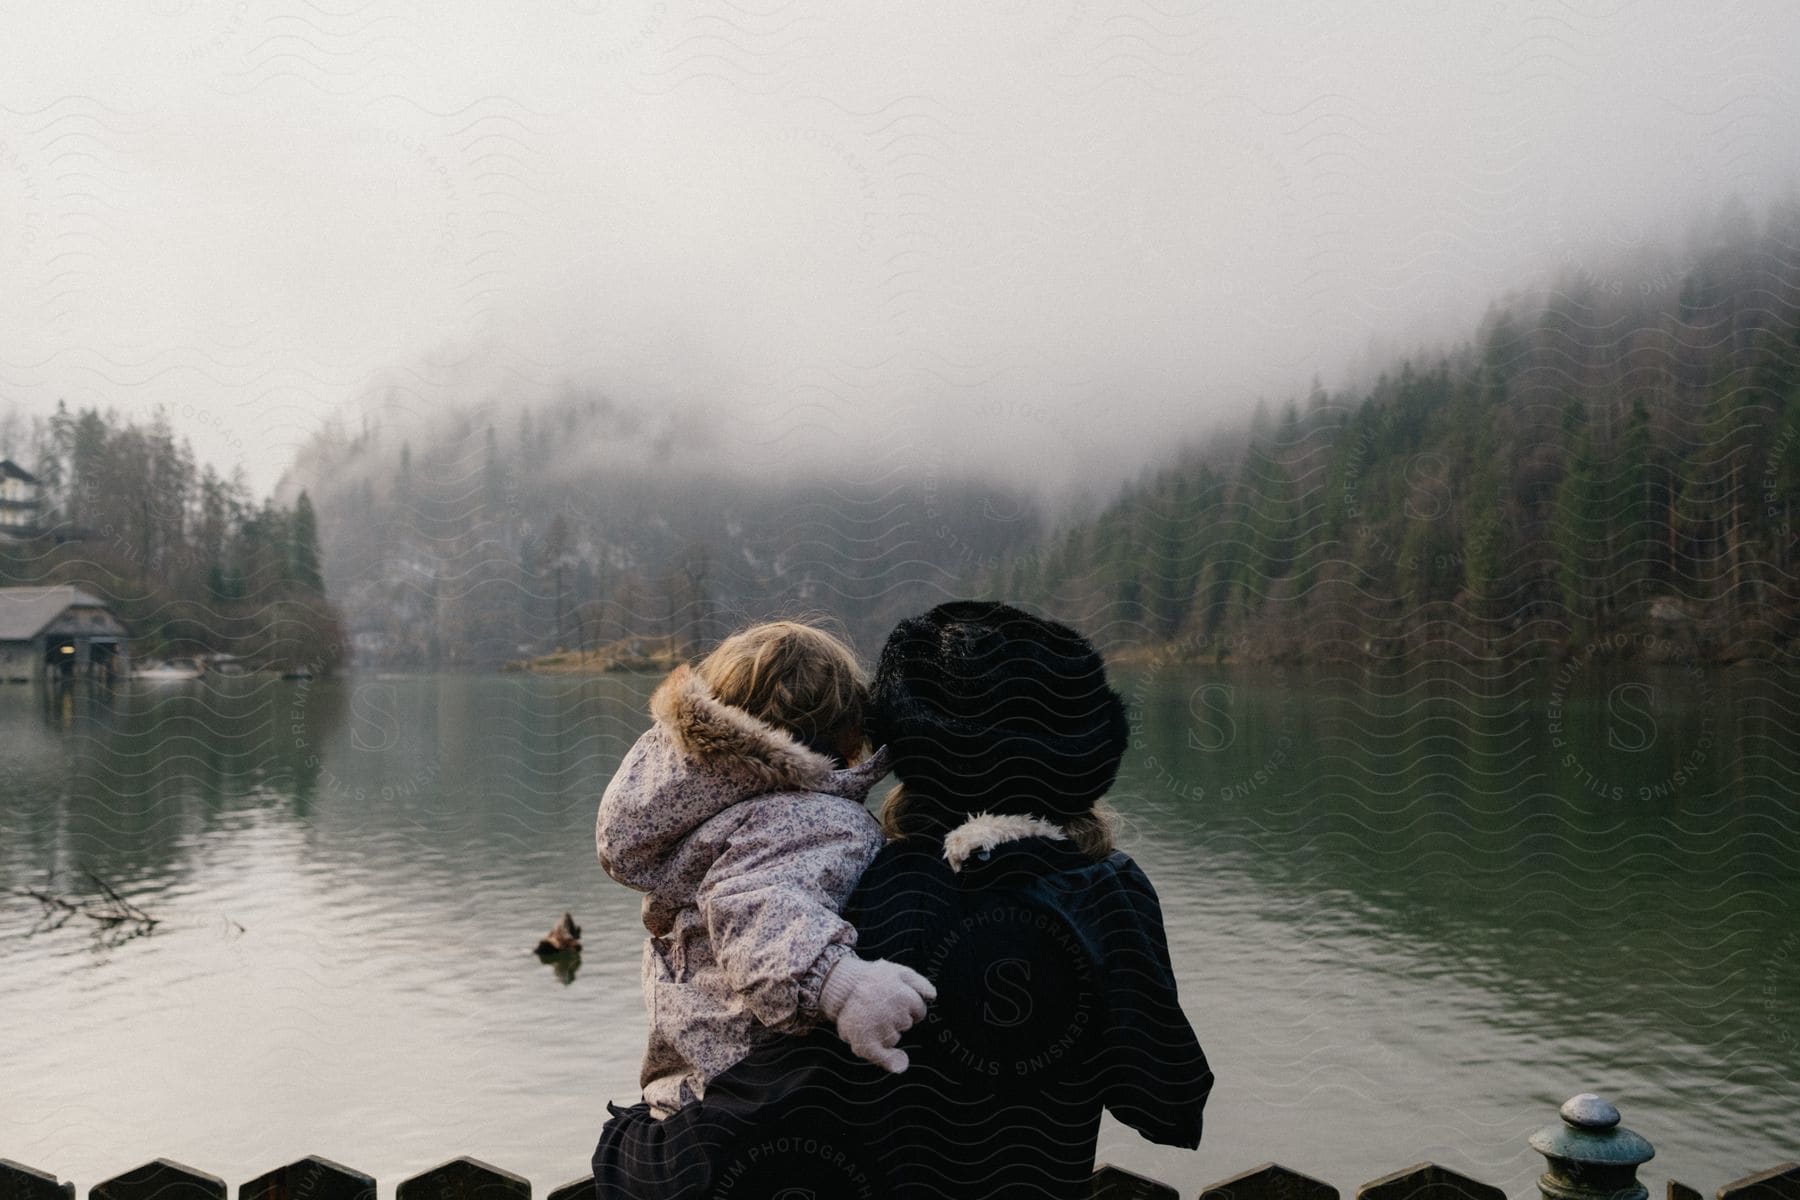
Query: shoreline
point(633, 655)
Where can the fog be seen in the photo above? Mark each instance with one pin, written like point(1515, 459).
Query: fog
point(1047, 240)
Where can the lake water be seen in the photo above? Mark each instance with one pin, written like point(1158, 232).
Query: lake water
point(1409, 915)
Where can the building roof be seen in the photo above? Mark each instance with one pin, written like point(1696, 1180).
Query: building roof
point(12, 470)
point(25, 611)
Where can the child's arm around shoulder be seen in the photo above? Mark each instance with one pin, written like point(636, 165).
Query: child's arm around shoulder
point(773, 898)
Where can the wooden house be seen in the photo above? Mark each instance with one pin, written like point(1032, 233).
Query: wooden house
point(21, 502)
point(59, 632)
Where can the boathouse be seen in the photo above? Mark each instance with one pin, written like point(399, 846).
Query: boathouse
point(59, 632)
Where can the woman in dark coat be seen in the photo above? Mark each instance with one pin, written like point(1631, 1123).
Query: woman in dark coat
point(1056, 998)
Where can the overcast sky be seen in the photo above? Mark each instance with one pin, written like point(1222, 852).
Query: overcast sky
point(1040, 231)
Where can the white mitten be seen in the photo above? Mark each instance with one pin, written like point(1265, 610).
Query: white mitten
point(873, 1003)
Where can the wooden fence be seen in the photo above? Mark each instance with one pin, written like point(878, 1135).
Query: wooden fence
point(1590, 1158)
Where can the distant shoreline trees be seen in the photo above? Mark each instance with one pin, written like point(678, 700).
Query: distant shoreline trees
point(188, 558)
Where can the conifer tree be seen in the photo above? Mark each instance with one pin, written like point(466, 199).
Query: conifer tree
point(303, 543)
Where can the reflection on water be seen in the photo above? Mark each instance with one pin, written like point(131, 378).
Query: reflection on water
point(1410, 916)
point(1469, 899)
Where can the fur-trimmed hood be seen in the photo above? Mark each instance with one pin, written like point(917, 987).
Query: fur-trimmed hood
point(719, 734)
point(984, 832)
point(700, 758)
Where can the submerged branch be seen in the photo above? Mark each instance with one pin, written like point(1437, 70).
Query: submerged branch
point(113, 912)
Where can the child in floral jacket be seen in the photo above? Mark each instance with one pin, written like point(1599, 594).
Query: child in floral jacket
point(740, 819)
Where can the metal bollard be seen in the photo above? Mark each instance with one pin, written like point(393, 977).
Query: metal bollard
point(1591, 1156)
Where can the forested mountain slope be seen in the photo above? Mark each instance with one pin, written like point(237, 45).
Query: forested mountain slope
point(1610, 465)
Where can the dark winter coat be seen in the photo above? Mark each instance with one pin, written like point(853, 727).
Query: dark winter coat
point(1056, 1000)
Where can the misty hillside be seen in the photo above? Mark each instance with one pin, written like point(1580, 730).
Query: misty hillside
point(497, 531)
point(1616, 454)
point(1611, 465)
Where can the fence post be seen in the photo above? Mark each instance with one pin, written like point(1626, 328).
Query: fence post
point(160, 1179)
point(311, 1178)
point(1591, 1156)
point(1776, 1183)
point(1427, 1181)
point(464, 1179)
point(1116, 1183)
point(20, 1182)
point(1271, 1181)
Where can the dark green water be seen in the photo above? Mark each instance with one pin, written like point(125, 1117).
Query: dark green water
point(1410, 916)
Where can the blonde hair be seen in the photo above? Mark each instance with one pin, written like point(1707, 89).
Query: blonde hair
point(797, 677)
point(1094, 832)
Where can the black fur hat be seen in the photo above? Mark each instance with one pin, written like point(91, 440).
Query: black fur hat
point(986, 708)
